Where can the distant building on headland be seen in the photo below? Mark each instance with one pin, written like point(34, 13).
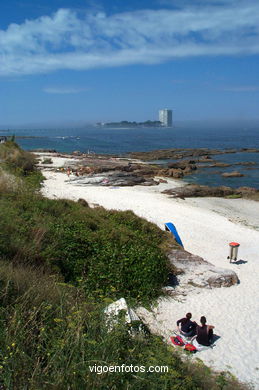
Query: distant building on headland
point(166, 117)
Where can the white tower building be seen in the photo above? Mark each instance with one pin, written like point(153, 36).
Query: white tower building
point(165, 117)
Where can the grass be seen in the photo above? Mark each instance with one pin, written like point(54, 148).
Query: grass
point(234, 196)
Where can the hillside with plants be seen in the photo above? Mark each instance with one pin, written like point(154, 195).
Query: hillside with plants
point(61, 263)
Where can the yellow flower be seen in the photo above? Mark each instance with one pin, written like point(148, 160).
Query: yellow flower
point(13, 344)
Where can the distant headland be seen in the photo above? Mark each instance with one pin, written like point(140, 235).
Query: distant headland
point(165, 120)
point(127, 124)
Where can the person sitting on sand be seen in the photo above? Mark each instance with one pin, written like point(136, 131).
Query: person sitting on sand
point(187, 326)
point(204, 333)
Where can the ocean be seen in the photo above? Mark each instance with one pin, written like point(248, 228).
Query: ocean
point(120, 141)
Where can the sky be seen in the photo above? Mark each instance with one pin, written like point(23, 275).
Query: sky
point(86, 61)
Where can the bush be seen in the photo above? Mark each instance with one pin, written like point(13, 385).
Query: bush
point(8, 182)
point(17, 159)
point(47, 161)
point(115, 253)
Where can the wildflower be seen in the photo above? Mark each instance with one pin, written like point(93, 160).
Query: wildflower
point(13, 344)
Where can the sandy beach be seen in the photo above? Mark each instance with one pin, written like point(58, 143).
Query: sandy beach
point(206, 226)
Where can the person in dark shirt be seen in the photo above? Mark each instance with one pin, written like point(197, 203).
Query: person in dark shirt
point(188, 327)
point(204, 333)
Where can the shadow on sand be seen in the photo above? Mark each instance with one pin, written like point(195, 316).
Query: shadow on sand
point(238, 262)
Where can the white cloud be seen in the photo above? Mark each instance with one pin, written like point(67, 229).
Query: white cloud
point(64, 90)
point(67, 40)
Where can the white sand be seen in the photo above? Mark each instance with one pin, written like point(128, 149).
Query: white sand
point(234, 310)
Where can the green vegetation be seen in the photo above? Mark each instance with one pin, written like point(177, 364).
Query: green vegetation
point(61, 264)
point(21, 165)
point(16, 159)
point(109, 250)
point(47, 161)
point(234, 196)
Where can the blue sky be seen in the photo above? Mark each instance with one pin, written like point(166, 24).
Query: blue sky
point(80, 61)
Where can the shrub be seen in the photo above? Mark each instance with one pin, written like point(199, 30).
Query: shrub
point(17, 159)
point(47, 161)
point(8, 182)
point(116, 253)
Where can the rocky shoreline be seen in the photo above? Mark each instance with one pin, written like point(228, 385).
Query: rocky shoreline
point(142, 169)
point(196, 190)
point(180, 153)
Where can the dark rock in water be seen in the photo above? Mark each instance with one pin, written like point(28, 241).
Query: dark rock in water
point(250, 150)
point(77, 153)
point(183, 165)
point(188, 169)
point(175, 173)
point(197, 272)
point(180, 153)
point(220, 164)
point(247, 190)
point(205, 159)
point(248, 163)
point(230, 151)
point(232, 174)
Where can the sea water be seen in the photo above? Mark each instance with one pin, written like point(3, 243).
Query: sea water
point(120, 141)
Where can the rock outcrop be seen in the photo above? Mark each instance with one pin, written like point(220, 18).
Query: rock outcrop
point(232, 174)
point(197, 272)
point(113, 178)
point(196, 190)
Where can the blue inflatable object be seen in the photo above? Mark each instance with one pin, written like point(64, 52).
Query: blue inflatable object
point(169, 226)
